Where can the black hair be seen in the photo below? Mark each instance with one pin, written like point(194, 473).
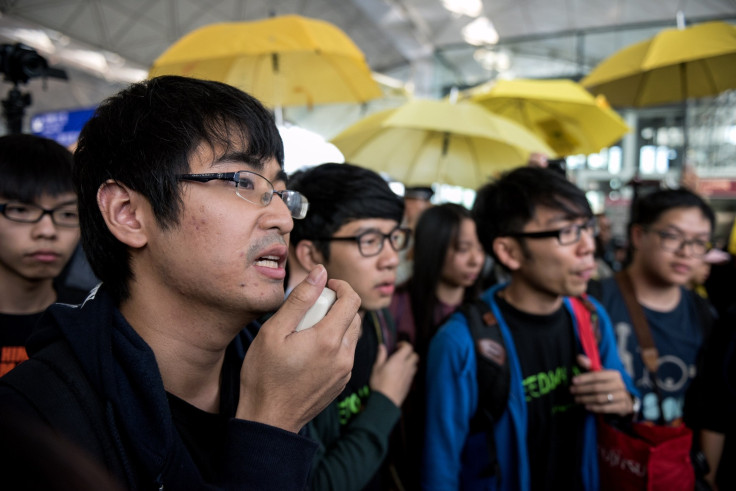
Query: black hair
point(31, 166)
point(503, 207)
point(647, 209)
point(338, 194)
point(143, 137)
point(437, 230)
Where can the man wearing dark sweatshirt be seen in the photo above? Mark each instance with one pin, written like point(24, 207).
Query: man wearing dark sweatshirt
point(185, 218)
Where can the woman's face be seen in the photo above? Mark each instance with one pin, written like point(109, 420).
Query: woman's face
point(464, 259)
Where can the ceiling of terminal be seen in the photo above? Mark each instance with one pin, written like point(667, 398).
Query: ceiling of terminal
point(417, 41)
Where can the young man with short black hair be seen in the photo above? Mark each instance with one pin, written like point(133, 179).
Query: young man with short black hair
point(540, 227)
point(39, 231)
point(185, 218)
point(669, 233)
point(353, 228)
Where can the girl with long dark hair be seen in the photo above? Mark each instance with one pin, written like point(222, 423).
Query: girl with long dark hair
point(448, 260)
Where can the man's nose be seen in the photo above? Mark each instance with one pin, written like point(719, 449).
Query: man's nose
point(45, 227)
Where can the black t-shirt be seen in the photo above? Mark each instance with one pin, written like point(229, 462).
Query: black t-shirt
point(15, 329)
point(547, 350)
point(14, 332)
point(204, 434)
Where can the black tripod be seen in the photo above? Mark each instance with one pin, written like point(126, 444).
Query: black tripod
point(14, 108)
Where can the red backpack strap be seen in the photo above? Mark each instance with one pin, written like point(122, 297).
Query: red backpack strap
point(586, 316)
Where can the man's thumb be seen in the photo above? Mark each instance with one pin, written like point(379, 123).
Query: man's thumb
point(584, 362)
point(381, 355)
point(303, 296)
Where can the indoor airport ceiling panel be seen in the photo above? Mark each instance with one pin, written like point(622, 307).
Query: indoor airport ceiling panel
point(419, 43)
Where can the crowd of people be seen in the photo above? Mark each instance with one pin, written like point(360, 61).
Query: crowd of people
point(467, 349)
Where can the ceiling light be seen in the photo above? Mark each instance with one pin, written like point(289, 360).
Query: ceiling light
point(492, 60)
point(480, 32)
point(471, 8)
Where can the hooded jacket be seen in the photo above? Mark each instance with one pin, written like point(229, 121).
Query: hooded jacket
point(453, 457)
point(93, 378)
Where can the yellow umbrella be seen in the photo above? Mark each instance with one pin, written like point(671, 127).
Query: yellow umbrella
point(561, 112)
point(425, 141)
point(673, 66)
point(283, 61)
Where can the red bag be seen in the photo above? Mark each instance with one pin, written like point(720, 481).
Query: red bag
point(636, 456)
point(645, 457)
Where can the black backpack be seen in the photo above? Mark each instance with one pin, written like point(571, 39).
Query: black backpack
point(492, 371)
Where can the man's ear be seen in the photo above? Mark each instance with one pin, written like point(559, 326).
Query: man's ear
point(508, 251)
point(637, 234)
point(123, 212)
point(308, 255)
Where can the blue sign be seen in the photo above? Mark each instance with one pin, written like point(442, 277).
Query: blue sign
point(61, 126)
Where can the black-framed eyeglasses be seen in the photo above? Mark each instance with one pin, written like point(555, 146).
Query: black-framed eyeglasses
point(566, 235)
point(256, 189)
point(64, 215)
point(673, 241)
point(370, 242)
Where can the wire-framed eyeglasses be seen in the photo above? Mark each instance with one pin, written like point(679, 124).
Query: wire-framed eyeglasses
point(370, 242)
point(256, 189)
point(64, 215)
point(674, 241)
point(566, 235)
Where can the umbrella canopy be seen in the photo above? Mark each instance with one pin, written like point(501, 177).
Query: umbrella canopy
point(673, 66)
point(561, 112)
point(427, 141)
point(282, 61)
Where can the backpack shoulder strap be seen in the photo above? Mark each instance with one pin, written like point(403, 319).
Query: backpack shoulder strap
point(589, 332)
point(491, 360)
point(649, 353)
point(492, 374)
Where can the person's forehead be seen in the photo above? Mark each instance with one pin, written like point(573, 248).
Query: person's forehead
point(46, 200)
point(545, 215)
point(360, 225)
point(235, 157)
point(686, 219)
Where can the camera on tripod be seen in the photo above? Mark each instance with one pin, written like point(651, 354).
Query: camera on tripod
point(20, 63)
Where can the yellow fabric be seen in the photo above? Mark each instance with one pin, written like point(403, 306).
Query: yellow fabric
point(561, 112)
point(282, 61)
point(732, 240)
point(674, 65)
point(426, 141)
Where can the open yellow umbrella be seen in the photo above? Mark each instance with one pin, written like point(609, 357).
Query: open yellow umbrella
point(561, 112)
point(426, 141)
point(673, 66)
point(282, 61)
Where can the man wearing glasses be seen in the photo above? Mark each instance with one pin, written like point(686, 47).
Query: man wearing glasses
point(185, 218)
point(353, 228)
point(39, 230)
point(669, 233)
point(540, 228)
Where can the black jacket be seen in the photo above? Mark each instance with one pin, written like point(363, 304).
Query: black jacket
point(91, 377)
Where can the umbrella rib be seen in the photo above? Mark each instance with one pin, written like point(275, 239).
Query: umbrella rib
point(478, 176)
point(640, 89)
point(348, 80)
point(525, 114)
point(709, 75)
point(414, 162)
